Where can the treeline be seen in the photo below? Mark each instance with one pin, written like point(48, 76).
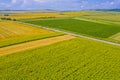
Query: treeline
point(8, 19)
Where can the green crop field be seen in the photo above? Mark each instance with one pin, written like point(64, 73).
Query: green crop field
point(76, 59)
point(80, 26)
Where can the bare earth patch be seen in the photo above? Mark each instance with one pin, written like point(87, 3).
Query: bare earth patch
point(33, 44)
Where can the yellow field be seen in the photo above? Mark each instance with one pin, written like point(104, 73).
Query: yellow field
point(74, 14)
point(11, 29)
point(32, 15)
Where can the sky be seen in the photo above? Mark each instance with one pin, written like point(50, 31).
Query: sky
point(58, 4)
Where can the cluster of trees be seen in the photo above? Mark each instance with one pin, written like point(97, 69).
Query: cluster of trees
point(5, 18)
point(8, 19)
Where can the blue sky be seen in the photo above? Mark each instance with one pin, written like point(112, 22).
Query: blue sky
point(59, 4)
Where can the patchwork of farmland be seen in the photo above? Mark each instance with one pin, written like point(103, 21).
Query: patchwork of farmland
point(80, 26)
point(28, 52)
point(84, 60)
point(12, 33)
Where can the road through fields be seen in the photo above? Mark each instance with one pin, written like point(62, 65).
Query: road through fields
point(70, 33)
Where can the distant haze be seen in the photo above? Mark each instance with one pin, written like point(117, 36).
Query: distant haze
point(59, 4)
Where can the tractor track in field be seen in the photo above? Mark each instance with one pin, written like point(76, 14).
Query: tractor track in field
point(33, 44)
point(73, 34)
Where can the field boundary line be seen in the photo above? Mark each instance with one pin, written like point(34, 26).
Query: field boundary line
point(70, 33)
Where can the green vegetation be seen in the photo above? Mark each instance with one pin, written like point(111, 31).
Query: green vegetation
point(19, 40)
point(80, 26)
point(76, 59)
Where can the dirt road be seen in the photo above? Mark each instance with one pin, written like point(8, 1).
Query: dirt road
point(33, 44)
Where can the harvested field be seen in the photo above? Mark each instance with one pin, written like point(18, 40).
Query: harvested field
point(14, 33)
point(11, 29)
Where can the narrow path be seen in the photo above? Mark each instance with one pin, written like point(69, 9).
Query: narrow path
point(33, 44)
point(69, 33)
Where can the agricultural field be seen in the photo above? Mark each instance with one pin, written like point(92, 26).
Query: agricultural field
point(18, 16)
point(107, 16)
point(84, 27)
point(75, 14)
point(12, 33)
point(84, 60)
point(40, 15)
point(104, 18)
